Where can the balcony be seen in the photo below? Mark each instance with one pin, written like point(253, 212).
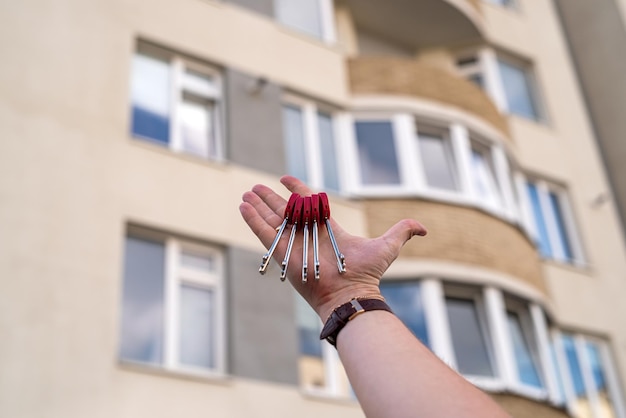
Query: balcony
point(403, 77)
point(419, 24)
point(461, 235)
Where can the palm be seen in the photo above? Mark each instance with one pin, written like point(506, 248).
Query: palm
point(366, 259)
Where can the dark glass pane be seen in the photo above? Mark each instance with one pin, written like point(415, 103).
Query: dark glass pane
point(438, 162)
point(540, 223)
point(468, 338)
point(377, 153)
point(293, 128)
point(518, 90)
point(560, 222)
point(574, 365)
point(327, 148)
point(150, 98)
point(142, 305)
point(405, 299)
point(526, 367)
point(197, 327)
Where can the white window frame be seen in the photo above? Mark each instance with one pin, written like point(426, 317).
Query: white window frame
point(487, 65)
point(327, 20)
point(544, 188)
point(178, 65)
point(436, 130)
point(532, 332)
point(175, 275)
point(612, 380)
point(312, 141)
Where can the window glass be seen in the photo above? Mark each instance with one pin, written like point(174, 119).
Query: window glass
point(377, 153)
point(581, 404)
point(468, 338)
point(199, 83)
point(525, 356)
point(327, 151)
point(293, 127)
point(540, 222)
point(405, 300)
point(555, 206)
point(196, 327)
point(518, 90)
point(197, 127)
point(150, 98)
point(197, 261)
point(484, 179)
point(599, 379)
point(142, 305)
point(303, 15)
point(438, 162)
point(311, 361)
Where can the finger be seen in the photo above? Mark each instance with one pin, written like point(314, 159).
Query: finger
point(262, 208)
point(401, 232)
point(295, 186)
point(273, 200)
point(257, 224)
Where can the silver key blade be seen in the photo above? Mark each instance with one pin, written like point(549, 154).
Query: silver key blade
point(316, 258)
point(341, 260)
point(305, 252)
point(285, 263)
point(268, 256)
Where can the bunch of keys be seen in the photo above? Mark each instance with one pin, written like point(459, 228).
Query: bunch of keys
point(305, 212)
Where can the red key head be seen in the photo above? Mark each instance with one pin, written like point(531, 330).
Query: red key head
point(297, 210)
point(324, 206)
point(290, 206)
point(315, 208)
point(306, 210)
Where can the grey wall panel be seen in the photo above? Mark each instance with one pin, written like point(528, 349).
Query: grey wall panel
point(263, 333)
point(265, 7)
point(254, 124)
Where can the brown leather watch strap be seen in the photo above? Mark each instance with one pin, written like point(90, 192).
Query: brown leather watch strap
point(344, 313)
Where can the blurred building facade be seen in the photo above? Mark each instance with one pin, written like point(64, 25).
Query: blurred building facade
point(131, 128)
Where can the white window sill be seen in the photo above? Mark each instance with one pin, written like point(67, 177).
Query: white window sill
point(182, 373)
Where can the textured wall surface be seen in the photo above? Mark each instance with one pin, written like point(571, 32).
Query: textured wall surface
point(523, 408)
point(463, 235)
point(376, 75)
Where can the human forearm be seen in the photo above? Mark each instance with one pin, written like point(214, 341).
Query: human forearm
point(396, 376)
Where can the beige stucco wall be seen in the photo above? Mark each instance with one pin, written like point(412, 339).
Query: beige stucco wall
point(563, 150)
point(73, 178)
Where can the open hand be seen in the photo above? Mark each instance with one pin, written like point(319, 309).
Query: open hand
point(366, 259)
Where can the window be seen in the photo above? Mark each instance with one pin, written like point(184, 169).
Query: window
point(552, 223)
point(470, 339)
point(525, 347)
point(313, 17)
point(172, 303)
point(377, 155)
point(518, 88)
point(508, 80)
point(483, 175)
point(594, 391)
point(176, 102)
point(505, 3)
point(320, 369)
point(438, 161)
point(310, 144)
point(405, 300)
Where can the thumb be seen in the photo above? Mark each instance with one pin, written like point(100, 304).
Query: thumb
point(401, 232)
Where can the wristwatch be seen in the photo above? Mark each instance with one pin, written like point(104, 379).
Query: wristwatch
point(349, 310)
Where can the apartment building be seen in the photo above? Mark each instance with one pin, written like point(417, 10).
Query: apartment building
point(129, 130)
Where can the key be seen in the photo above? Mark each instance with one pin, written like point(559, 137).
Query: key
point(315, 218)
point(297, 213)
point(325, 214)
point(306, 218)
point(287, 218)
